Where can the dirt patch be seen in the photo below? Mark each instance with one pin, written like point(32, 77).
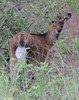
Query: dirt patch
point(72, 26)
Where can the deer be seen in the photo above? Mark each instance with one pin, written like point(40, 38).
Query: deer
point(33, 48)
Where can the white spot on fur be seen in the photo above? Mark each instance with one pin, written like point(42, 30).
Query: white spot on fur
point(21, 54)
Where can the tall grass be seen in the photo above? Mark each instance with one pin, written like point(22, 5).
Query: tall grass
point(59, 81)
point(48, 83)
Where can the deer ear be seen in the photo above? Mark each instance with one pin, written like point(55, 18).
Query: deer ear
point(67, 16)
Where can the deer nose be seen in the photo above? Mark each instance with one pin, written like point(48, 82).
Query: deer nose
point(59, 29)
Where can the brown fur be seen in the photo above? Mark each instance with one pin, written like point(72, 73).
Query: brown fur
point(39, 44)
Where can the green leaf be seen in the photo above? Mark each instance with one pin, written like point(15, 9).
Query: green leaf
point(31, 6)
point(12, 59)
point(50, 23)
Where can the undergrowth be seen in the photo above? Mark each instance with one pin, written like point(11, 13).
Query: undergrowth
point(45, 82)
point(59, 81)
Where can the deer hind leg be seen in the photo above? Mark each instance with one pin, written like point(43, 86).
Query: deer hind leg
point(13, 59)
point(18, 53)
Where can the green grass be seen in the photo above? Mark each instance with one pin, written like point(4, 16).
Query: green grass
point(59, 81)
point(48, 83)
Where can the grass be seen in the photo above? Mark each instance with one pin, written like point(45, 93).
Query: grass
point(48, 84)
point(59, 81)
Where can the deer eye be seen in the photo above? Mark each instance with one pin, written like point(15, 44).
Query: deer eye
point(52, 21)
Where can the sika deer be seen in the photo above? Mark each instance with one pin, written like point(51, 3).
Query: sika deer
point(38, 44)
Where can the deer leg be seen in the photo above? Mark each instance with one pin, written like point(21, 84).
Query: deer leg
point(12, 57)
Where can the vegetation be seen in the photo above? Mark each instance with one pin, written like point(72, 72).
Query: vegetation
point(59, 81)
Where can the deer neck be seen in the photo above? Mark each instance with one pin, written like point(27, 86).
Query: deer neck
point(51, 37)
